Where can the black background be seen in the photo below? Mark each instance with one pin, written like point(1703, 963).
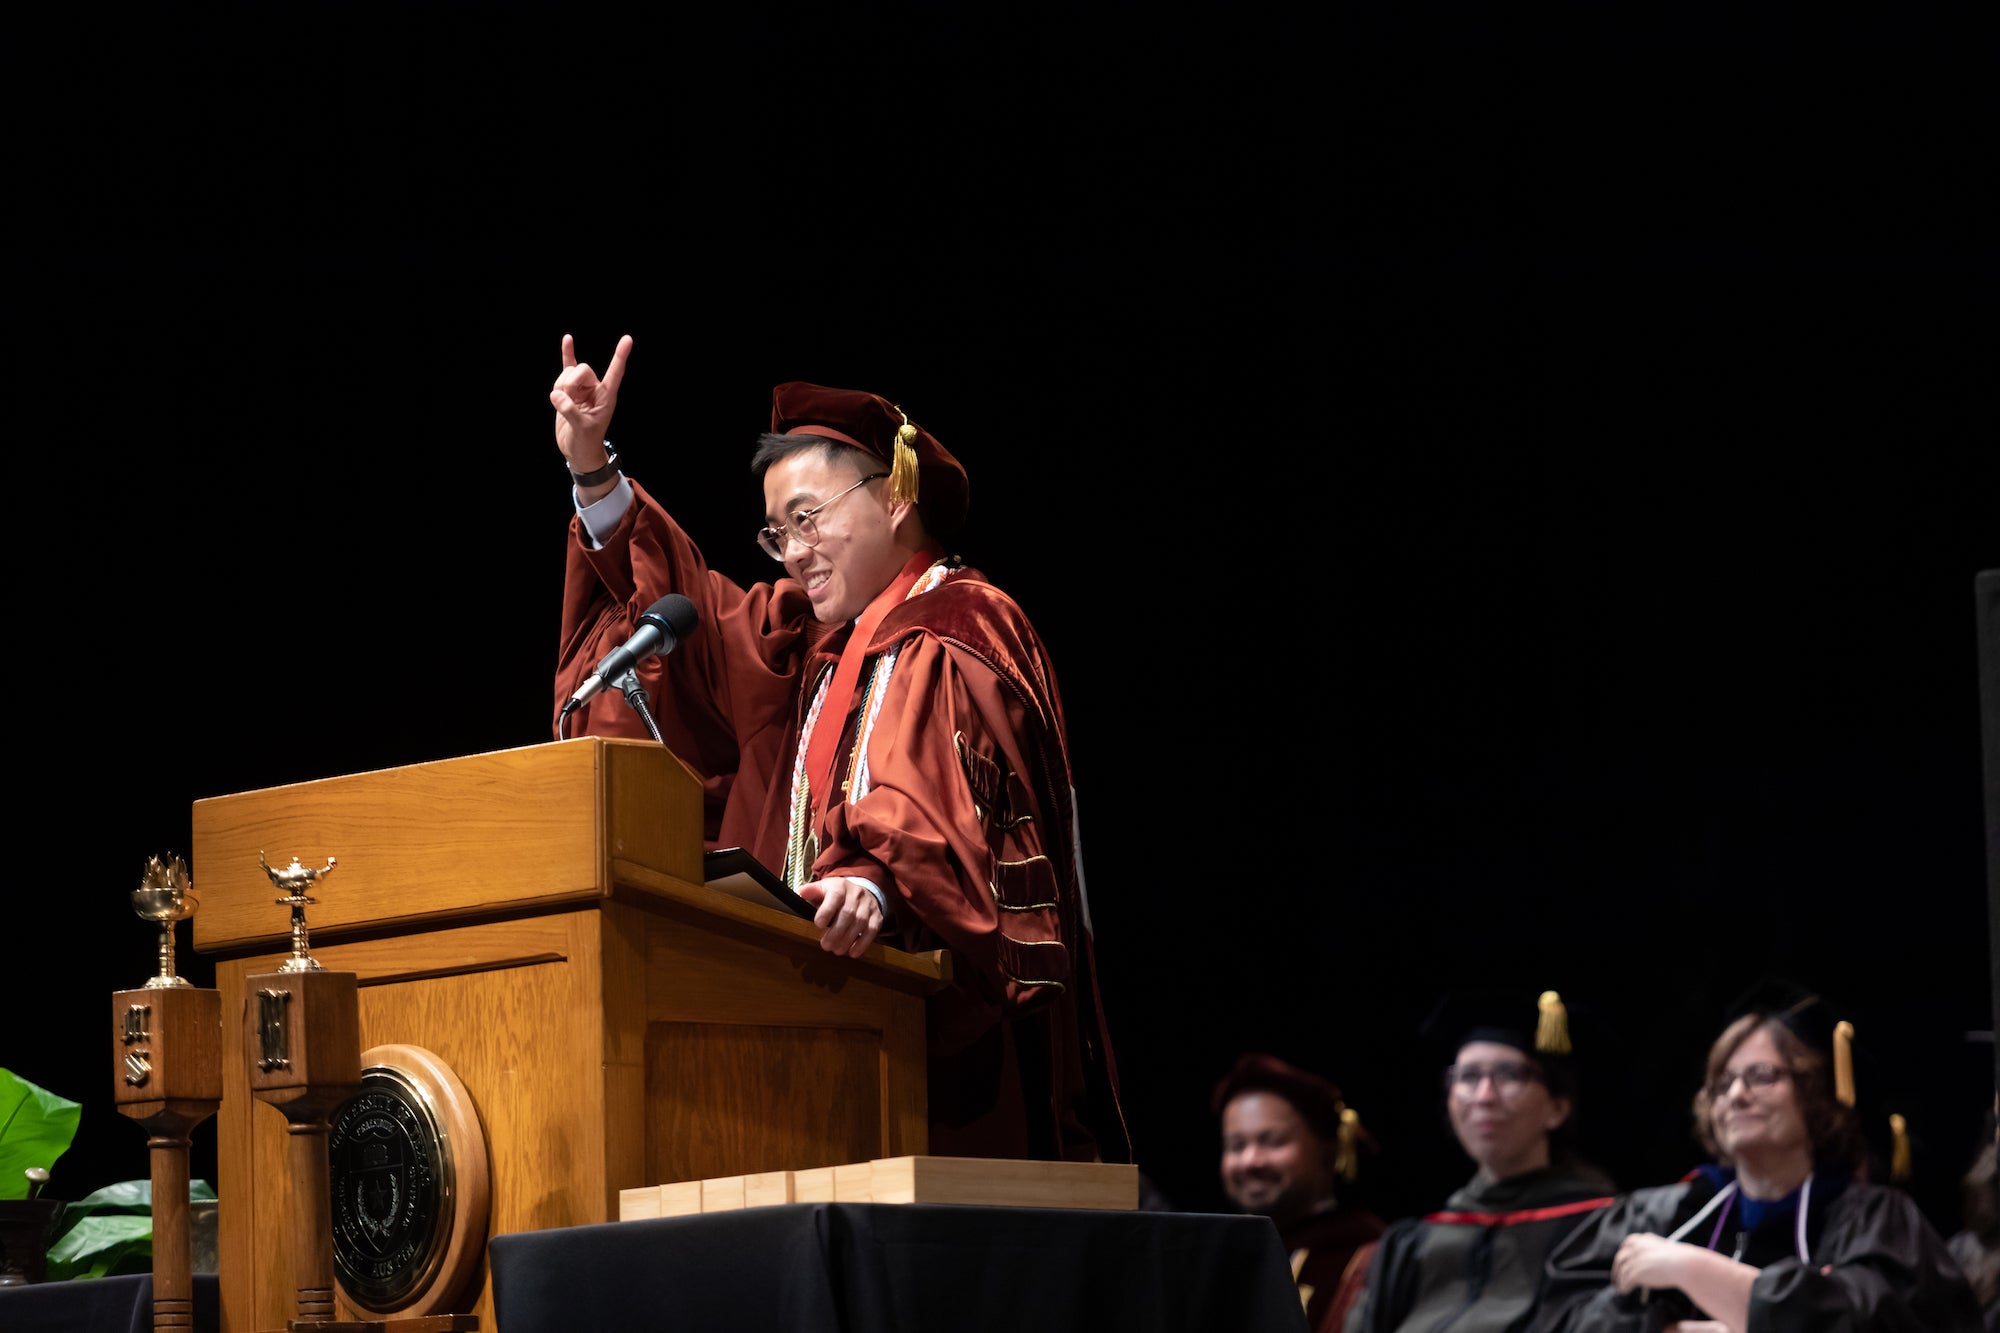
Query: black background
point(1503, 487)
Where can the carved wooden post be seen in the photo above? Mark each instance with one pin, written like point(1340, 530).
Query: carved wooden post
point(302, 1038)
point(166, 1048)
point(302, 1031)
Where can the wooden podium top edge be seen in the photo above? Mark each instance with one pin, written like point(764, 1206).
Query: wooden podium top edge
point(516, 829)
point(572, 742)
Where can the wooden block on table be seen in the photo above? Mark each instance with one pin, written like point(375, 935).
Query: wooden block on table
point(814, 1185)
point(980, 1181)
point(680, 1199)
point(853, 1182)
point(638, 1203)
point(764, 1188)
point(722, 1194)
point(992, 1182)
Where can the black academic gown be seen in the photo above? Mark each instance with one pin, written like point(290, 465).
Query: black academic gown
point(1874, 1265)
point(1476, 1266)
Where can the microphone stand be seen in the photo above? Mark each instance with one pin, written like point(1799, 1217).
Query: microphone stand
point(635, 695)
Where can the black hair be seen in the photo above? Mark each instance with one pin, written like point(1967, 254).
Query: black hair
point(775, 448)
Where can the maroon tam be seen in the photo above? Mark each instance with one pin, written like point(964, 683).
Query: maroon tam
point(1316, 1099)
point(870, 423)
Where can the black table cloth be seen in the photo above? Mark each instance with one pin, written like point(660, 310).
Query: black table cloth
point(900, 1268)
point(99, 1305)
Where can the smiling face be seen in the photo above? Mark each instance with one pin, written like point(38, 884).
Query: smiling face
point(858, 552)
point(1758, 1122)
point(1503, 1126)
point(1272, 1162)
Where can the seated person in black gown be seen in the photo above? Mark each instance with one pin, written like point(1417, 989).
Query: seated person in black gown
point(1780, 1233)
point(1976, 1244)
point(1511, 1093)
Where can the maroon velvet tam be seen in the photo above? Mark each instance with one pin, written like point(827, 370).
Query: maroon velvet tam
point(869, 422)
point(1317, 1100)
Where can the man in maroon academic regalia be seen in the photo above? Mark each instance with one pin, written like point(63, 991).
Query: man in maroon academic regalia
point(879, 724)
point(1289, 1144)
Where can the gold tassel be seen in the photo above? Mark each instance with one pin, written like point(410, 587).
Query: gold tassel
point(1346, 1161)
point(1899, 1153)
point(1552, 1029)
point(1843, 1062)
point(903, 467)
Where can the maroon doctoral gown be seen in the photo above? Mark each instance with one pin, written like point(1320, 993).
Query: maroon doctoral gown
point(967, 821)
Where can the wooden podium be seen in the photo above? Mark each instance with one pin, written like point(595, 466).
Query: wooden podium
point(535, 919)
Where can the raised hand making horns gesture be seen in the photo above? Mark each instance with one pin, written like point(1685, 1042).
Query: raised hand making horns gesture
point(584, 404)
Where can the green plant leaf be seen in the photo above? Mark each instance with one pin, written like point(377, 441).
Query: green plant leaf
point(132, 1196)
point(102, 1246)
point(36, 1128)
point(125, 1198)
point(136, 1196)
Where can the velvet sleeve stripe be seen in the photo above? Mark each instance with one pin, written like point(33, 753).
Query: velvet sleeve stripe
point(1025, 886)
point(1034, 962)
point(983, 778)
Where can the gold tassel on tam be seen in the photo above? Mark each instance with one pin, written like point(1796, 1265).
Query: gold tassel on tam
point(903, 468)
point(1346, 1161)
point(1899, 1150)
point(1552, 1028)
point(1843, 1062)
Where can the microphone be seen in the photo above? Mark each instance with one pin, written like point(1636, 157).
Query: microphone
point(664, 625)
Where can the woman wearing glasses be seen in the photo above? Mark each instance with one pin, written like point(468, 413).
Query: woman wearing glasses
point(1511, 1092)
point(1779, 1232)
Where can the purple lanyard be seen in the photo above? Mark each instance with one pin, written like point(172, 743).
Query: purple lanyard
point(1728, 1199)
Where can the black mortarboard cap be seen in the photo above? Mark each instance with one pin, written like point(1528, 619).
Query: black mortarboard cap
point(1540, 1025)
point(1857, 1073)
point(1810, 1017)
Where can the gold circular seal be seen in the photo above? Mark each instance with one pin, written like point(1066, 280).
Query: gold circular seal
point(408, 1180)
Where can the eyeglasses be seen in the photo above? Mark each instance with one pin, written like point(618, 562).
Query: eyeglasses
point(1509, 1076)
point(1759, 1075)
point(803, 525)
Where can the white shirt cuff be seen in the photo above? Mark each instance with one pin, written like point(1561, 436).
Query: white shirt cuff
point(601, 518)
point(888, 914)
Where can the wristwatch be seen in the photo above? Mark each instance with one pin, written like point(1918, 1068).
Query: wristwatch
point(600, 475)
